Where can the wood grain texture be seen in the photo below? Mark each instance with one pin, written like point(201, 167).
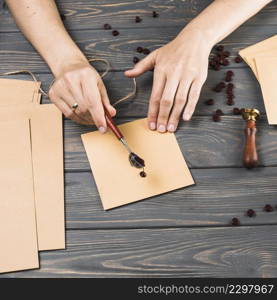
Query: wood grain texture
point(87, 14)
point(184, 252)
point(218, 196)
point(17, 53)
point(203, 142)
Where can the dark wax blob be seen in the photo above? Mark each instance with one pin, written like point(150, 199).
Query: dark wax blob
point(142, 174)
point(136, 161)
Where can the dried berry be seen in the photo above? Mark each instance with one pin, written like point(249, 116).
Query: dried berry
point(235, 222)
point(115, 32)
point(230, 86)
point(219, 87)
point(216, 118)
point(220, 48)
point(219, 112)
point(209, 102)
point(225, 62)
point(155, 14)
point(230, 73)
point(139, 49)
point(146, 51)
point(138, 19)
point(268, 208)
point(236, 111)
point(251, 213)
point(238, 59)
point(230, 102)
point(107, 26)
point(135, 60)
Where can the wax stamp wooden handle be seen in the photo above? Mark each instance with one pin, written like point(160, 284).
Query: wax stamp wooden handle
point(250, 155)
point(111, 125)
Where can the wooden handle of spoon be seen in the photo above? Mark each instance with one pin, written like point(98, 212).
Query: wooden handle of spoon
point(250, 156)
point(111, 124)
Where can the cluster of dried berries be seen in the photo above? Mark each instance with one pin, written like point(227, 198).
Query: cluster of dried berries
point(251, 213)
point(217, 115)
point(220, 58)
point(139, 49)
point(230, 94)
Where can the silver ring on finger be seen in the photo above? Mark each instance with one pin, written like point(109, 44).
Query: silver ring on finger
point(74, 106)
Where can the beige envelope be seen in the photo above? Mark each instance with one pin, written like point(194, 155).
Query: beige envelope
point(17, 213)
point(47, 156)
point(249, 53)
point(267, 70)
point(14, 92)
point(118, 183)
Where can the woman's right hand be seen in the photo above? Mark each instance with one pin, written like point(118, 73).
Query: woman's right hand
point(80, 83)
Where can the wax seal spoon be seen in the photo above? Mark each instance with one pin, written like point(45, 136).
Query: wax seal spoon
point(134, 159)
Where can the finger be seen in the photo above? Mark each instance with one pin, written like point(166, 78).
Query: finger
point(62, 92)
point(78, 97)
point(67, 111)
point(166, 104)
point(105, 100)
point(193, 97)
point(143, 66)
point(94, 103)
point(155, 98)
point(179, 104)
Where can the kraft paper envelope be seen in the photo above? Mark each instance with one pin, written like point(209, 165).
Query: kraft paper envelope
point(118, 183)
point(269, 53)
point(249, 53)
point(18, 238)
point(47, 157)
point(267, 70)
point(14, 92)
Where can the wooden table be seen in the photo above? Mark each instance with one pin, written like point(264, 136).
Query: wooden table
point(185, 233)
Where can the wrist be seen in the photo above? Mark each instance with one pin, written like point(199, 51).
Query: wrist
point(67, 63)
point(197, 33)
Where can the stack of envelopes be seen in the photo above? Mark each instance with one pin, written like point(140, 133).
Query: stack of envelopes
point(262, 59)
point(31, 176)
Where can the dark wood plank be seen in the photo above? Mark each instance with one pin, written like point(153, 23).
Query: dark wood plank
point(218, 196)
point(87, 14)
point(247, 92)
point(203, 142)
point(17, 53)
point(205, 252)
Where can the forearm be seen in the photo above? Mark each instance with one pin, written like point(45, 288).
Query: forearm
point(222, 17)
point(40, 21)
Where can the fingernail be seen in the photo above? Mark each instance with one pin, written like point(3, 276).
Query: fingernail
point(152, 125)
point(187, 117)
point(171, 128)
point(102, 129)
point(161, 128)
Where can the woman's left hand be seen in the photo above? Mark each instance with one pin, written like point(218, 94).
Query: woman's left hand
point(180, 70)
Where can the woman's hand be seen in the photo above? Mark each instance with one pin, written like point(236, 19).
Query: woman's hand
point(80, 83)
point(180, 71)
